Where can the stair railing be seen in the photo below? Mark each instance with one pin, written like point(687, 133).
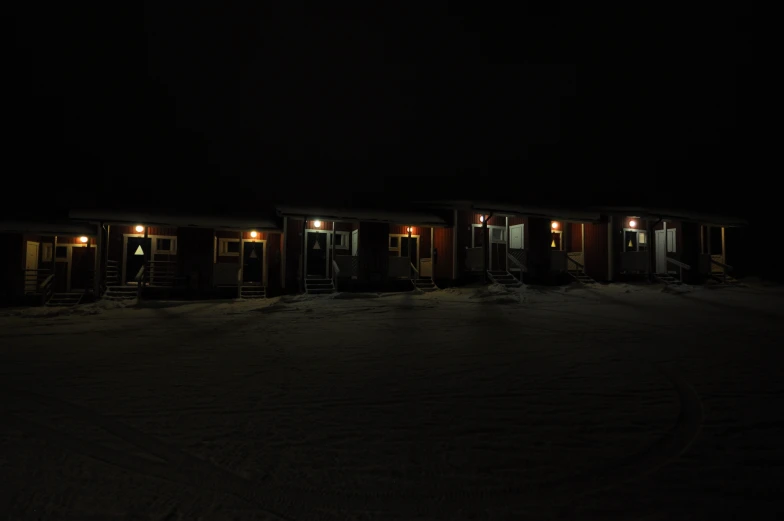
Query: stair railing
point(335, 273)
point(681, 266)
point(415, 270)
point(46, 288)
point(579, 266)
point(516, 262)
point(139, 282)
point(724, 269)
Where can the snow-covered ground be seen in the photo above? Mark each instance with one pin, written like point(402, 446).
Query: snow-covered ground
point(619, 402)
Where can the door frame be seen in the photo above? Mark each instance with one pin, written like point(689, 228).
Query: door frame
point(69, 259)
point(661, 254)
point(37, 262)
point(400, 246)
point(328, 247)
point(522, 235)
point(153, 248)
point(263, 261)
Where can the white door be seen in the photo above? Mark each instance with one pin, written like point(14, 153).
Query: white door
point(354, 242)
point(31, 263)
point(661, 252)
point(516, 237)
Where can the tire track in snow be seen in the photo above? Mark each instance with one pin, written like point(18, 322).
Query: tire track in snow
point(190, 470)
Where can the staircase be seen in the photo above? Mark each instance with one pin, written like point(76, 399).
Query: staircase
point(65, 299)
point(581, 277)
point(725, 279)
point(504, 278)
point(253, 292)
point(425, 284)
point(315, 286)
point(112, 273)
point(667, 279)
point(120, 293)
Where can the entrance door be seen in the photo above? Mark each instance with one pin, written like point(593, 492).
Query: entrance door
point(137, 253)
point(31, 263)
point(316, 254)
point(253, 262)
point(497, 248)
point(81, 267)
point(661, 252)
point(408, 248)
point(516, 237)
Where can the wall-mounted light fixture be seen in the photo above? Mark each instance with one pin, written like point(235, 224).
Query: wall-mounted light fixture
point(83, 239)
point(139, 228)
point(254, 234)
point(317, 224)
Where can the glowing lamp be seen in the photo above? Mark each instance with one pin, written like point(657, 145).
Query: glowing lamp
point(317, 224)
point(555, 225)
point(408, 230)
point(83, 239)
point(632, 224)
point(254, 234)
point(139, 228)
point(481, 218)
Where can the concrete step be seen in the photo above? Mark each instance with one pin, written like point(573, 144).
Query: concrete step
point(319, 291)
point(64, 299)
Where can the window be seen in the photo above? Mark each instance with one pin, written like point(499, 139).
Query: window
point(166, 245)
point(341, 240)
point(229, 247)
point(497, 234)
point(62, 252)
point(394, 242)
point(46, 252)
point(635, 240)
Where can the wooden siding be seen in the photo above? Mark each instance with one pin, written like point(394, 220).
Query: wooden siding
point(12, 263)
point(596, 254)
point(294, 229)
point(463, 230)
point(195, 257)
point(575, 239)
point(442, 240)
point(539, 231)
point(373, 251)
point(493, 221)
point(273, 259)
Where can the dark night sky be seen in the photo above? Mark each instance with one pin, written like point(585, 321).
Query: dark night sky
point(224, 103)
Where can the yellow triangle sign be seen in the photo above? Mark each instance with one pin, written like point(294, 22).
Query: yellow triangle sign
point(253, 254)
point(316, 246)
point(630, 244)
point(553, 244)
point(139, 250)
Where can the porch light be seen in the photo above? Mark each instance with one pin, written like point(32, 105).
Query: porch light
point(139, 228)
point(317, 224)
point(254, 234)
point(83, 239)
point(555, 225)
point(481, 218)
point(632, 224)
point(408, 230)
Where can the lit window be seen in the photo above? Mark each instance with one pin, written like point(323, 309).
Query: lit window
point(229, 247)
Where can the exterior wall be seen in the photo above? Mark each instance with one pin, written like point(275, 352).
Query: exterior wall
point(463, 231)
point(294, 230)
point(574, 240)
point(373, 252)
point(195, 259)
point(12, 259)
point(539, 256)
point(596, 255)
point(443, 239)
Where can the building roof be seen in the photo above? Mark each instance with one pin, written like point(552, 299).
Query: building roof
point(65, 229)
point(413, 218)
point(223, 222)
point(511, 209)
point(679, 215)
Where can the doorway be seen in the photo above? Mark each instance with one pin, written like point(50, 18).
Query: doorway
point(497, 248)
point(137, 254)
point(81, 267)
point(316, 253)
point(516, 237)
point(661, 251)
point(31, 263)
point(253, 262)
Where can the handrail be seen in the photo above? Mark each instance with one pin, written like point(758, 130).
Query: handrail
point(678, 263)
point(514, 260)
point(47, 288)
point(44, 283)
point(335, 271)
point(579, 266)
point(414, 268)
point(681, 266)
point(139, 274)
point(721, 264)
